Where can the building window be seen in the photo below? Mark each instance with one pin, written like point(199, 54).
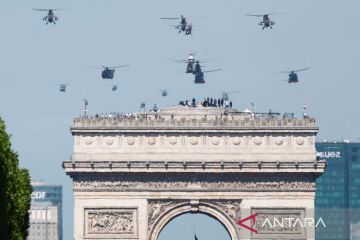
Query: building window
point(354, 149)
point(354, 158)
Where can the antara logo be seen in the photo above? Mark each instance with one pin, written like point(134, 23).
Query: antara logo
point(280, 222)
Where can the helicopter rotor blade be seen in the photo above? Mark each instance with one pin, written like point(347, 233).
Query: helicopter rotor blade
point(276, 13)
point(214, 70)
point(254, 15)
point(179, 61)
point(208, 60)
point(169, 18)
point(52, 9)
point(121, 66)
point(302, 69)
point(41, 9)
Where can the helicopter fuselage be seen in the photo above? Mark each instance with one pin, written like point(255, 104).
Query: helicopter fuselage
point(108, 73)
point(50, 18)
point(199, 78)
point(266, 22)
point(62, 88)
point(199, 74)
point(293, 77)
point(190, 66)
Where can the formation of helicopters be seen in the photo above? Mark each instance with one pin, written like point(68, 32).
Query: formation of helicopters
point(193, 65)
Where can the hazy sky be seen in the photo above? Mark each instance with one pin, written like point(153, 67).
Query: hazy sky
point(34, 58)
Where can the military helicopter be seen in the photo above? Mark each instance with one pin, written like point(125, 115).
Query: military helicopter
point(164, 92)
point(199, 73)
point(51, 17)
point(183, 26)
point(114, 88)
point(293, 77)
point(266, 22)
point(190, 61)
point(108, 72)
point(225, 95)
point(62, 87)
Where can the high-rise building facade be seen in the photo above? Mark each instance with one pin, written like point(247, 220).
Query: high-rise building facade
point(46, 212)
point(338, 189)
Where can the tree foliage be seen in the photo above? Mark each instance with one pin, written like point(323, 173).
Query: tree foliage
point(15, 192)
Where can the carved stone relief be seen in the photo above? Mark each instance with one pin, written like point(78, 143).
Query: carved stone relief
point(194, 140)
point(172, 140)
point(157, 207)
point(230, 207)
point(130, 140)
point(109, 140)
point(215, 141)
point(88, 140)
point(257, 140)
point(279, 141)
point(236, 140)
point(151, 140)
point(110, 221)
point(300, 140)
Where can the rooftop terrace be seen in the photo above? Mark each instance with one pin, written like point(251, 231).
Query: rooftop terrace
point(193, 117)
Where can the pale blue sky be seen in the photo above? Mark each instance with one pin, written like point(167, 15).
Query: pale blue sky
point(34, 58)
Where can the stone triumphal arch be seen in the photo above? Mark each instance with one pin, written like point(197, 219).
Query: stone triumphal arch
point(133, 173)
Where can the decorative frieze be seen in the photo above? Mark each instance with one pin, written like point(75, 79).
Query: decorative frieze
point(200, 184)
point(253, 140)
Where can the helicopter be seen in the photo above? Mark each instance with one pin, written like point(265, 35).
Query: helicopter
point(183, 26)
point(266, 22)
point(51, 17)
point(164, 92)
point(108, 72)
point(199, 73)
point(190, 61)
point(225, 95)
point(62, 87)
point(293, 77)
point(114, 88)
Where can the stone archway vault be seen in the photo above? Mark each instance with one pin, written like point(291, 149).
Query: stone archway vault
point(161, 212)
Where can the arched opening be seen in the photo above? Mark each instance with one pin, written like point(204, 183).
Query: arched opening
point(187, 225)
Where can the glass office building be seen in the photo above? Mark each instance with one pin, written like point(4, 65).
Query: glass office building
point(337, 199)
point(46, 212)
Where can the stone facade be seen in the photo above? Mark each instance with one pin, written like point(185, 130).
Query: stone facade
point(131, 175)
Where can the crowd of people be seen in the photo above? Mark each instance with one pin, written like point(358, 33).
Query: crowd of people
point(116, 115)
point(208, 102)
